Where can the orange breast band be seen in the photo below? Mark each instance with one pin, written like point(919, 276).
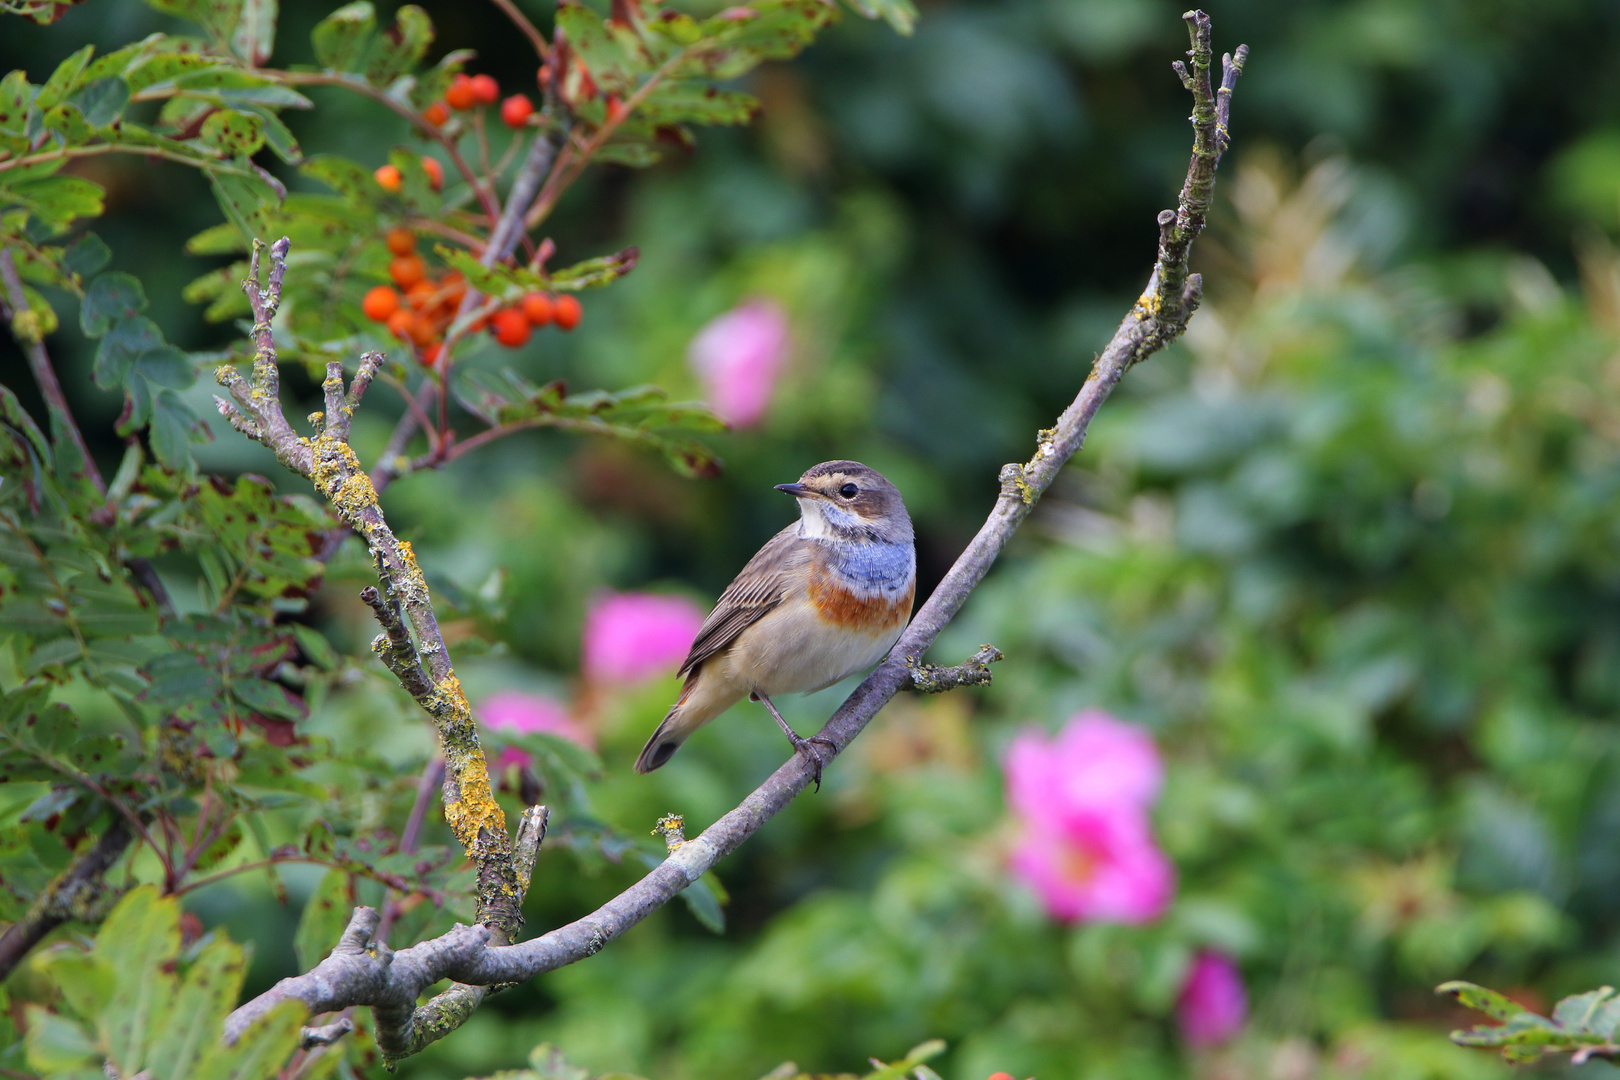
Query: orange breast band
point(837, 604)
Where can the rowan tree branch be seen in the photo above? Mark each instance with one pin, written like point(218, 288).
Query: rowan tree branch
point(362, 971)
point(411, 644)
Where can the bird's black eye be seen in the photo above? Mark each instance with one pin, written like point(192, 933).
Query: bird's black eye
point(849, 491)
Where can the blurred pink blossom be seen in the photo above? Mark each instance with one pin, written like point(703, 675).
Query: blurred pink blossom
point(630, 636)
point(1087, 847)
point(1213, 1005)
point(739, 356)
point(514, 710)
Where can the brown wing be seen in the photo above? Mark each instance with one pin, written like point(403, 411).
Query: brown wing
point(762, 585)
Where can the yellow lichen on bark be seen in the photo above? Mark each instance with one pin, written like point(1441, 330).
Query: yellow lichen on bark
point(477, 809)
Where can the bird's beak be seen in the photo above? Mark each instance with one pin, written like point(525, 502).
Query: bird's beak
point(798, 491)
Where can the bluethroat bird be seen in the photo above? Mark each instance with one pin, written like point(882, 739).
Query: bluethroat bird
point(824, 598)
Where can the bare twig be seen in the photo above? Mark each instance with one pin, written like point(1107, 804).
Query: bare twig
point(362, 971)
point(25, 328)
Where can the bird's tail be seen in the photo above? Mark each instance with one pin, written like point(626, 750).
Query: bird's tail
point(696, 706)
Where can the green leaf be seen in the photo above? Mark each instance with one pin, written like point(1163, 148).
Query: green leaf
point(899, 14)
point(315, 647)
point(261, 1051)
point(21, 441)
point(276, 133)
point(139, 941)
point(696, 103)
point(232, 87)
point(323, 919)
point(341, 38)
point(705, 905)
point(166, 366)
point(110, 297)
point(174, 428)
point(233, 133)
point(223, 239)
point(266, 697)
point(205, 997)
point(255, 34)
point(102, 101)
point(247, 197)
point(67, 122)
point(1478, 998)
point(56, 201)
point(64, 79)
point(129, 337)
point(56, 1044)
point(87, 256)
point(15, 98)
point(400, 48)
point(87, 981)
point(217, 17)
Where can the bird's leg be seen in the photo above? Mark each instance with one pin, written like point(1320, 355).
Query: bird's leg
point(801, 745)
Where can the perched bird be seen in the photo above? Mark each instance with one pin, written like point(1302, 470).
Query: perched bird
point(825, 598)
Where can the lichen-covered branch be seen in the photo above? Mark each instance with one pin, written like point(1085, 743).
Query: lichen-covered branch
point(411, 645)
point(80, 892)
point(974, 671)
point(355, 976)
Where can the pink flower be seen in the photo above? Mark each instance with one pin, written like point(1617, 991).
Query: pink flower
point(739, 356)
point(1212, 1006)
point(513, 710)
point(1087, 847)
point(630, 636)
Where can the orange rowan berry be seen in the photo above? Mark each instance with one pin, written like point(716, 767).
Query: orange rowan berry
point(407, 270)
point(431, 354)
point(380, 303)
point(436, 114)
point(1000, 1076)
point(422, 295)
point(485, 89)
point(567, 311)
point(616, 109)
point(537, 308)
point(389, 177)
point(400, 241)
point(435, 173)
point(402, 323)
point(515, 110)
point(461, 94)
point(511, 327)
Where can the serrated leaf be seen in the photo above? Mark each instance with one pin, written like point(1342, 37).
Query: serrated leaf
point(55, 1044)
point(316, 649)
point(87, 256)
point(55, 201)
point(175, 426)
point(166, 366)
point(102, 101)
point(233, 133)
point(217, 17)
point(696, 103)
point(261, 1051)
point(341, 38)
point(401, 47)
point(68, 123)
point(246, 197)
point(266, 697)
point(110, 297)
point(16, 95)
point(64, 79)
point(1480, 999)
point(323, 919)
point(276, 133)
point(86, 980)
point(127, 339)
point(901, 15)
point(139, 940)
point(255, 33)
point(201, 1003)
point(222, 239)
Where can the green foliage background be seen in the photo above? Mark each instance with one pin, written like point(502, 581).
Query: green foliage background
point(1350, 551)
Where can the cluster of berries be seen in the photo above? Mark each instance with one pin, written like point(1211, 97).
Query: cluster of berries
point(428, 304)
point(472, 91)
point(389, 178)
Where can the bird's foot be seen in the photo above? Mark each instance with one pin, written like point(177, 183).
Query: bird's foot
point(801, 745)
